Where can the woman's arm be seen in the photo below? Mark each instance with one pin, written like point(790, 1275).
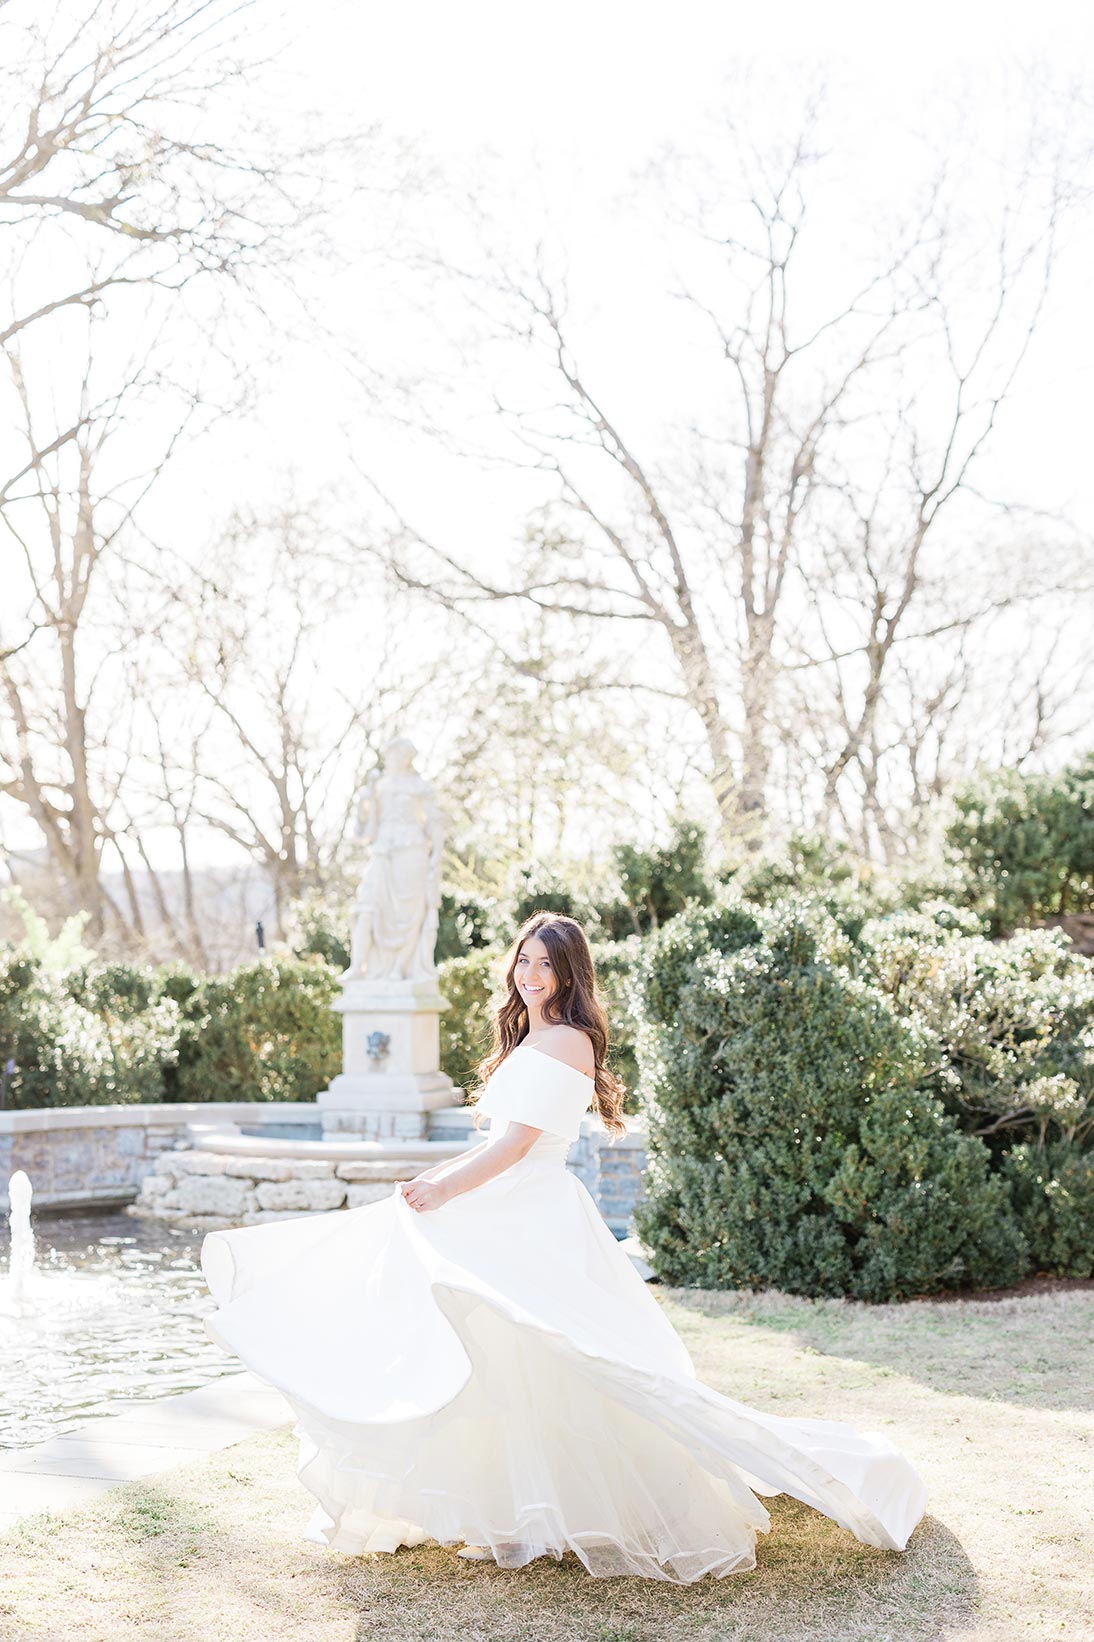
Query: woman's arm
point(434, 1168)
point(517, 1141)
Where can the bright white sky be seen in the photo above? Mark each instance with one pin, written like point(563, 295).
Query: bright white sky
point(570, 102)
point(630, 72)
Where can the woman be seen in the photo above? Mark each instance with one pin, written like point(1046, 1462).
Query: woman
point(475, 1361)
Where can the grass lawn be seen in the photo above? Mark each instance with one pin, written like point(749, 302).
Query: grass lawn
point(993, 1401)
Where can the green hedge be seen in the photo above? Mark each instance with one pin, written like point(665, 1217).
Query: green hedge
point(113, 1033)
point(468, 984)
point(877, 1106)
point(84, 1038)
point(1052, 1188)
point(264, 1031)
point(100, 1034)
point(615, 961)
point(794, 1141)
point(812, 866)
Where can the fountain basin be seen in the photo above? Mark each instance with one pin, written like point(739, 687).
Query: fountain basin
point(84, 1155)
point(230, 1140)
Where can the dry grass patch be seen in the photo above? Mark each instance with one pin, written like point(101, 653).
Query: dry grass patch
point(208, 1553)
point(991, 1401)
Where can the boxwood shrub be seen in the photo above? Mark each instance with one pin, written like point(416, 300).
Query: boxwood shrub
point(1012, 1023)
point(263, 1031)
point(1053, 1193)
point(84, 1038)
point(467, 984)
point(794, 1142)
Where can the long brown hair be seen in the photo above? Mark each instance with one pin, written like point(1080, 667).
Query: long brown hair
point(575, 1002)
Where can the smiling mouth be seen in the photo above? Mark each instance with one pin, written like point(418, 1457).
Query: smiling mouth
point(525, 988)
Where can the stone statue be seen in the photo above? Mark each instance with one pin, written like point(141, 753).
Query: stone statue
point(398, 900)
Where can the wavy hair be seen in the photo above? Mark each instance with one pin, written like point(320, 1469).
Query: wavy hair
point(575, 1002)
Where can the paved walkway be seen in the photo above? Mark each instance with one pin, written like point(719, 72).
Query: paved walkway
point(146, 1439)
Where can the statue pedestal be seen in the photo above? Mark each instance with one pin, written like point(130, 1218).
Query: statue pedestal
point(387, 1090)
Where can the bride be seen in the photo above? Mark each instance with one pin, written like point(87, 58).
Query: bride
point(475, 1361)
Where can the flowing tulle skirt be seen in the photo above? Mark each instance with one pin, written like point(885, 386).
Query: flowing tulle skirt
point(496, 1372)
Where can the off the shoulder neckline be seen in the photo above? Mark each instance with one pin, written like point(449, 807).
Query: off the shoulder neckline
point(566, 1067)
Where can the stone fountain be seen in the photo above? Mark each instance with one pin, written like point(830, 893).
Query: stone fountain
point(37, 1298)
point(392, 1111)
point(391, 1005)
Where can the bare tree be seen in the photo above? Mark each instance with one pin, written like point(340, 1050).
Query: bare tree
point(889, 550)
point(135, 187)
point(142, 207)
point(272, 739)
point(795, 523)
point(62, 517)
point(106, 147)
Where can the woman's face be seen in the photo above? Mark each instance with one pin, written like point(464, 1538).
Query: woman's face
point(534, 975)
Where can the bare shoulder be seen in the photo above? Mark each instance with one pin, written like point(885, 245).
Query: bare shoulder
point(570, 1045)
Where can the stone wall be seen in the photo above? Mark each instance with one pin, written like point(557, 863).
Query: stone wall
point(80, 1155)
point(619, 1180)
point(207, 1191)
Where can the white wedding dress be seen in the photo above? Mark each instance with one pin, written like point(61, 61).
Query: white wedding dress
point(495, 1372)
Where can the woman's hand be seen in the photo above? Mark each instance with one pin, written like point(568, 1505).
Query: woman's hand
point(424, 1195)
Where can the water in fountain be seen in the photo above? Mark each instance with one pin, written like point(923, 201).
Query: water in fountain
point(111, 1310)
point(21, 1262)
point(27, 1291)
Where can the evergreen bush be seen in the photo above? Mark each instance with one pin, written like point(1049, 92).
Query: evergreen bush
point(793, 1142)
point(810, 865)
point(468, 984)
point(614, 961)
point(653, 885)
point(465, 924)
point(318, 926)
point(92, 1037)
point(1052, 1188)
point(1012, 1022)
point(264, 1031)
point(1025, 844)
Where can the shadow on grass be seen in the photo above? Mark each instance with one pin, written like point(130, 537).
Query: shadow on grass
point(812, 1580)
point(1028, 1351)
